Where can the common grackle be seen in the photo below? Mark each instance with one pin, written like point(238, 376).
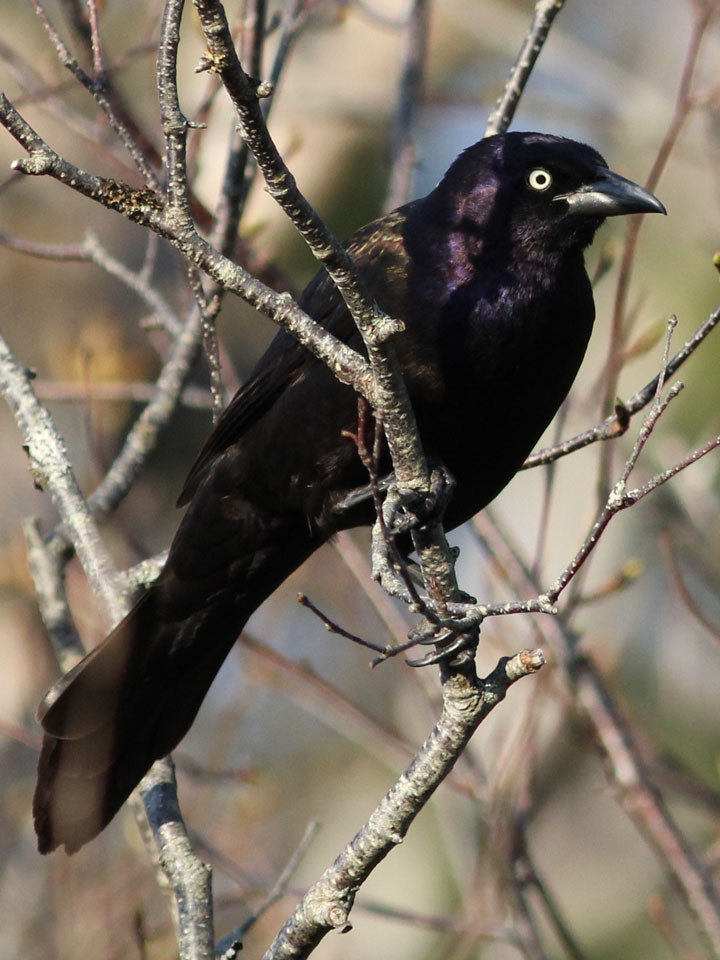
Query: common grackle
point(487, 274)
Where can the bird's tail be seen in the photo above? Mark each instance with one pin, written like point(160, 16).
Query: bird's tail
point(133, 698)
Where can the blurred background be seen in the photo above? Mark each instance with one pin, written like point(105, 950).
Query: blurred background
point(297, 727)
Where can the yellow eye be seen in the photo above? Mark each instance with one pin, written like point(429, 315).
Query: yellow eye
point(539, 179)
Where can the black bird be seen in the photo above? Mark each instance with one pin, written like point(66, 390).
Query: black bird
point(487, 274)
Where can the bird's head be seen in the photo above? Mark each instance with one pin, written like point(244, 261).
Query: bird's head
point(534, 188)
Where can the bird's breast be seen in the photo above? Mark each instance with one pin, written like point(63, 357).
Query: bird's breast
point(499, 359)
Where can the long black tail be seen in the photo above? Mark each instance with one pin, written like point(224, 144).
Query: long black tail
point(134, 697)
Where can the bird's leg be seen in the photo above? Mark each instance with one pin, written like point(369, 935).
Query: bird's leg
point(399, 577)
point(402, 511)
point(362, 495)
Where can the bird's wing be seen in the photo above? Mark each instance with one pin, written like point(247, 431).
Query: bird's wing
point(378, 247)
point(280, 366)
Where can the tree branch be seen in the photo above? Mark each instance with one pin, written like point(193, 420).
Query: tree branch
point(543, 17)
point(326, 905)
point(617, 423)
point(51, 471)
point(142, 207)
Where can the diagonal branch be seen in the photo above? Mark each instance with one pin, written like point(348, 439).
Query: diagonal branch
point(51, 470)
point(617, 423)
point(501, 117)
point(326, 905)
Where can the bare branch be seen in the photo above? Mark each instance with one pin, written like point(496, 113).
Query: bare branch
point(145, 432)
point(621, 320)
point(231, 945)
point(91, 251)
point(326, 905)
point(678, 580)
point(47, 567)
point(51, 470)
point(410, 90)
point(617, 424)
point(501, 117)
point(116, 391)
point(189, 878)
point(97, 87)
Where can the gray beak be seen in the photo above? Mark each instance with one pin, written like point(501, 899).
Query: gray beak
point(611, 195)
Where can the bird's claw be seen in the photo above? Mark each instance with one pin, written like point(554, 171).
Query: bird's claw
point(460, 616)
point(447, 649)
point(406, 509)
point(455, 634)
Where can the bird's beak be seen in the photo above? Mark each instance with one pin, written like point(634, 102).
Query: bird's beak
point(611, 196)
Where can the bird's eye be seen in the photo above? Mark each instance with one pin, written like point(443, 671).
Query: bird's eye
point(539, 179)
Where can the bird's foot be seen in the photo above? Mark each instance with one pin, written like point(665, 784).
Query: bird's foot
point(454, 632)
point(405, 508)
point(450, 646)
point(461, 616)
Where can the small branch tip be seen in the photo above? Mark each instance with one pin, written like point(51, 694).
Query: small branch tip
point(532, 660)
point(524, 663)
point(337, 917)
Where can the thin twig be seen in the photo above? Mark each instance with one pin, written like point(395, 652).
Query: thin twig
point(175, 225)
point(619, 499)
point(314, 694)
point(621, 322)
point(618, 422)
point(91, 251)
point(145, 432)
point(47, 562)
point(403, 159)
point(526, 878)
point(235, 939)
point(543, 17)
point(543, 526)
point(116, 391)
point(96, 86)
point(190, 879)
point(209, 311)
point(332, 627)
point(678, 581)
